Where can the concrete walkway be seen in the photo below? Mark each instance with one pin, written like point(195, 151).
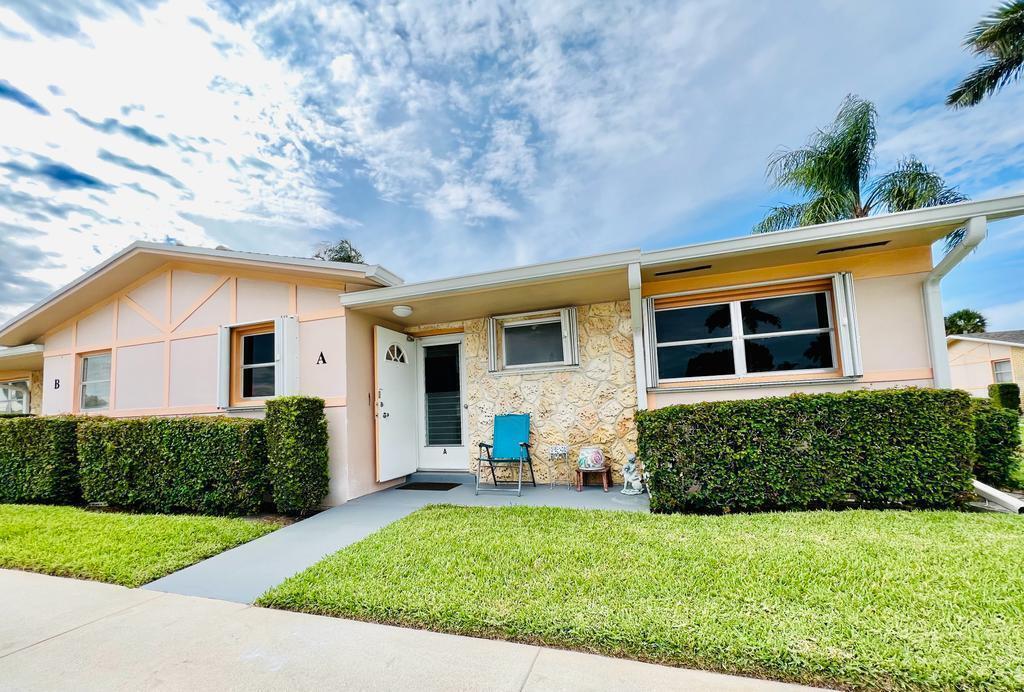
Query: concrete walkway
point(71, 634)
point(243, 573)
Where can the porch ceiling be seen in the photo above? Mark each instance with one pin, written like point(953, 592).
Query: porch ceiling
point(582, 289)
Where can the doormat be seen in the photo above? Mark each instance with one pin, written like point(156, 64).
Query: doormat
point(428, 486)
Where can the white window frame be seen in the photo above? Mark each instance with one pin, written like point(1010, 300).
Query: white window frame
point(1008, 373)
point(82, 382)
point(243, 366)
point(844, 342)
point(286, 361)
point(566, 317)
point(21, 385)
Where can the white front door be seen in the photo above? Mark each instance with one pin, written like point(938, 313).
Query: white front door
point(395, 366)
point(442, 423)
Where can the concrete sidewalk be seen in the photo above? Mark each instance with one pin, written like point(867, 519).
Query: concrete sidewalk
point(242, 574)
point(70, 634)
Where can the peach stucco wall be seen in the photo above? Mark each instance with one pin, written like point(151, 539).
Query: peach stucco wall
point(162, 335)
point(893, 342)
point(970, 364)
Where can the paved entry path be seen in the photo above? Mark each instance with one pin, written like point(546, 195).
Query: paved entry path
point(68, 634)
point(242, 574)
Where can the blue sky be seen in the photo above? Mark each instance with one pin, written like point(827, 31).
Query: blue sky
point(451, 137)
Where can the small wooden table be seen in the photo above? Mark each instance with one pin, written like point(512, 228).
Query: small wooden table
point(606, 477)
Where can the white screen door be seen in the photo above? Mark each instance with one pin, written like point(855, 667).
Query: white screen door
point(395, 361)
point(442, 422)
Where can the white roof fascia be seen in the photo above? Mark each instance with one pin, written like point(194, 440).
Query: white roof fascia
point(369, 271)
point(959, 337)
point(372, 271)
point(495, 279)
point(999, 208)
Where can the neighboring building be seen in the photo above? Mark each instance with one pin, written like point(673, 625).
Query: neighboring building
point(413, 374)
point(978, 360)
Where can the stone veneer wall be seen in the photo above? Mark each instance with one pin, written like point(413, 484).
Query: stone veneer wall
point(590, 405)
point(35, 389)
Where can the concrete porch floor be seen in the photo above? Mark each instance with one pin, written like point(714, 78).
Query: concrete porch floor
point(242, 574)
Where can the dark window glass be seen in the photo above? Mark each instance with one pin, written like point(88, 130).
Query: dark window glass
point(533, 344)
point(258, 382)
point(800, 352)
point(258, 348)
point(785, 314)
point(692, 324)
point(696, 360)
point(443, 396)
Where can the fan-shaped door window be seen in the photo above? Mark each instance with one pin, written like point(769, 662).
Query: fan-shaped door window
point(395, 354)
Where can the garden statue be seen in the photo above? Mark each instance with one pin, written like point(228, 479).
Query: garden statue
point(632, 482)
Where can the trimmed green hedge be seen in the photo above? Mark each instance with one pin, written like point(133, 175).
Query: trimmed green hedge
point(297, 452)
point(38, 461)
point(905, 447)
point(997, 439)
point(1005, 394)
point(204, 465)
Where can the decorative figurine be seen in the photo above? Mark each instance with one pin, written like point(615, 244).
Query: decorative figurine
point(632, 482)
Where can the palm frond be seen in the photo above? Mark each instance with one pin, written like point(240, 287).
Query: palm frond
point(986, 80)
point(780, 218)
point(999, 31)
point(835, 160)
point(911, 185)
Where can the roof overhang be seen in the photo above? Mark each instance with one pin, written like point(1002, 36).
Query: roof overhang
point(20, 358)
point(913, 228)
point(595, 279)
point(141, 258)
point(964, 337)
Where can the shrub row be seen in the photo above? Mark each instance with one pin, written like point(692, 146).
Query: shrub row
point(907, 447)
point(1005, 394)
point(997, 441)
point(37, 459)
point(212, 465)
point(205, 465)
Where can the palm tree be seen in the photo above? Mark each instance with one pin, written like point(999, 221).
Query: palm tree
point(1000, 38)
point(340, 251)
point(965, 322)
point(832, 171)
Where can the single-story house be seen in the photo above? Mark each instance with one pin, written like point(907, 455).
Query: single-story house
point(413, 374)
point(978, 360)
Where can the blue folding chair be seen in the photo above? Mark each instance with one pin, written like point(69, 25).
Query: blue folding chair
point(511, 446)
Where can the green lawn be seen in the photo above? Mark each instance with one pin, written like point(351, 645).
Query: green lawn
point(127, 549)
point(859, 599)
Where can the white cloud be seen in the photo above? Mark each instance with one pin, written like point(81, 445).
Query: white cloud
point(547, 129)
point(343, 68)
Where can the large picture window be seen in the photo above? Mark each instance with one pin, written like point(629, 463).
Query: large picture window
point(739, 338)
point(95, 391)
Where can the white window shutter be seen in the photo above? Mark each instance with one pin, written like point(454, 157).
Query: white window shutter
point(223, 367)
point(650, 343)
point(570, 338)
point(847, 334)
point(492, 350)
point(286, 356)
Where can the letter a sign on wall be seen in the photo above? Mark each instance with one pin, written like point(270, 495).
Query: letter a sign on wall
point(321, 360)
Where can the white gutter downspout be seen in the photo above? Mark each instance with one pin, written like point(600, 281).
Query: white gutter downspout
point(976, 231)
point(636, 314)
